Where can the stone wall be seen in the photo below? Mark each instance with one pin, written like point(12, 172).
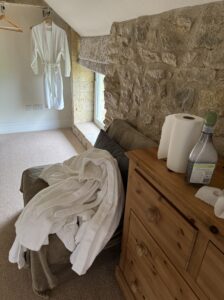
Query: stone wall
point(167, 63)
point(83, 85)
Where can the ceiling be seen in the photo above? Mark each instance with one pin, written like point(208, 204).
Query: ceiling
point(95, 17)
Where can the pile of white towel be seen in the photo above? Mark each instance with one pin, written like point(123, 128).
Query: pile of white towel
point(214, 197)
point(82, 205)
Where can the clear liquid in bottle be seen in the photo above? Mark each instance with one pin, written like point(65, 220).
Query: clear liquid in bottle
point(203, 157)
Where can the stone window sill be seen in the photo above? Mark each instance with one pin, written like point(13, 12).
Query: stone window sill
point(87, 133)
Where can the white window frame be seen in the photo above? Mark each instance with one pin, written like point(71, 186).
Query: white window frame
point(98, 99)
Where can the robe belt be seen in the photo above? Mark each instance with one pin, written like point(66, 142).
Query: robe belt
point(51, 66)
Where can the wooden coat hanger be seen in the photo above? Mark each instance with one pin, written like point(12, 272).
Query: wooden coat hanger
point(47, 17)
point(48, 20)
point(12, 26)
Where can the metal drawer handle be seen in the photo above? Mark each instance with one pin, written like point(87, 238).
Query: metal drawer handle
point(141, 250)
point(153, 214)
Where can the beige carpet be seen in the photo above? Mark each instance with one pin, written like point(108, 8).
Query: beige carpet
point(21, 151)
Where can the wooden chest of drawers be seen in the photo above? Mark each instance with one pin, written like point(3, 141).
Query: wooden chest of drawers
point(173, 245)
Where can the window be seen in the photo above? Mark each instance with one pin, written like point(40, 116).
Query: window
point(99, 110)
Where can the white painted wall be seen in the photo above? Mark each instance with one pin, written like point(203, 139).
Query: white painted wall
point(19, 87)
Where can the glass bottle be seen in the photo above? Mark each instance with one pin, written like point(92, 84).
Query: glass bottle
point(203, 157)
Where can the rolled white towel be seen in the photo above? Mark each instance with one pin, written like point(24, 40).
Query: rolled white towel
point(219, 207)
point(214, 197)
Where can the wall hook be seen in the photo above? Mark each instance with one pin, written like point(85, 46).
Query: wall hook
point(2, 8)
point(46, 12)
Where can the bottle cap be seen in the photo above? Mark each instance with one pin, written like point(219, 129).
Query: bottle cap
point(211, 118)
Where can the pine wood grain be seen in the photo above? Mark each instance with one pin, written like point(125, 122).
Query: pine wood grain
point(162, 277)
point(172, 232)
point(179, 192)
point(211, 275)
point(170, 238)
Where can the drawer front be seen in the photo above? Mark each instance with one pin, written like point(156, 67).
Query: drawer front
point(211, 275)
point(162, 277)
point(138, 284)
point(170, 230)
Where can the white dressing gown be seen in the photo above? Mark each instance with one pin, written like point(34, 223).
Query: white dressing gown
point(50, 44)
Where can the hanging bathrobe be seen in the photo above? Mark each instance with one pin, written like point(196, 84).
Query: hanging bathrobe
point(49, 45)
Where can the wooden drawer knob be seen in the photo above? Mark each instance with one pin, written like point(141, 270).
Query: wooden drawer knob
point(153, 214)
point(214, 229)
point(134, 287)
point(141, 250)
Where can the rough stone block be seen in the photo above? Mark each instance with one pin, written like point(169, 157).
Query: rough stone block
point(156, 73)
point(195, 74)
point(148, 56)
point(149, 88)
point(152, 42)
point(171, 40)
point(219, 75)
point(188, 58)
point(127, 53)
point(184, 23)
point(169, 58)
point(214, 59)
point(163, 92)
point(141, 30)
point(212, 100)
point(208, 39)
point(111, 99)
point(146, 118)
point(185, 98)
point(209, 32)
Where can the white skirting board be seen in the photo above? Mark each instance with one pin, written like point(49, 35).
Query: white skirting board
point(34, 126)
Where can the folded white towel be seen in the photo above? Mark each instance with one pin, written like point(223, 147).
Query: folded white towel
point(214, 197)
point(219, 207)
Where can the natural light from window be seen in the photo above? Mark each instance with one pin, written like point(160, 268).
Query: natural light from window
point(99, 109)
